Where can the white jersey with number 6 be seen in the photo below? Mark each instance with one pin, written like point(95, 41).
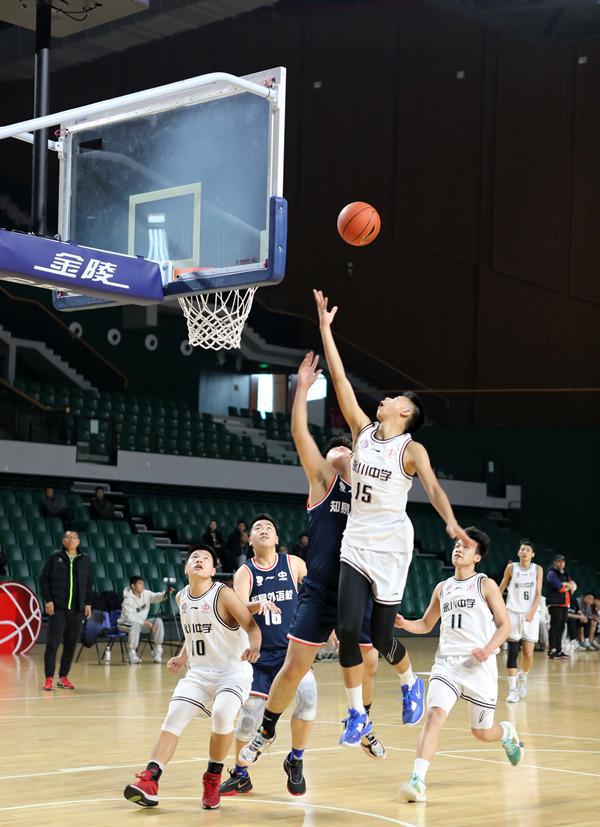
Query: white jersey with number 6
point(467, 621)
point(212, 645)
point(521, 588)
point(380, 486)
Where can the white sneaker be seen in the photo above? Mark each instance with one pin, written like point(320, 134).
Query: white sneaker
point(414, 789)
point(157, 654)
point(522, 688)
point(588, 646)
point(595, 645)
point(133, 658)
point(513, 697)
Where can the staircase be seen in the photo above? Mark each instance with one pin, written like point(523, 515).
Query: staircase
point(42, 359)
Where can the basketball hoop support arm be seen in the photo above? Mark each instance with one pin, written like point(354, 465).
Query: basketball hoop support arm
point(125, 103)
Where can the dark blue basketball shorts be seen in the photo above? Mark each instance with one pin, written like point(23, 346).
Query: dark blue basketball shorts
point(316, 617)
point(264, 671)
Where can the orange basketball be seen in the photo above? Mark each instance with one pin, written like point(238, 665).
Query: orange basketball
point(359, 223)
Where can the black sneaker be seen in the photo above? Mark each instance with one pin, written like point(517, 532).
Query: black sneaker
point(236, 784)
point(562, 656)
point(296, 782)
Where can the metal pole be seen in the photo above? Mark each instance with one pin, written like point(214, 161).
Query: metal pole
point(41, 107)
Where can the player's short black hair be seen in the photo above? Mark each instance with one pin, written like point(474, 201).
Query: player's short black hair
point(263, 516)
point(303, 534)
point(202, 547)
point(417, 420)
point(481, 538)
point(525, 541)
point(134, 579)
point(337, 442)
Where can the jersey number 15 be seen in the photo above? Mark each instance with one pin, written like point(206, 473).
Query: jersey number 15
point(363, 492)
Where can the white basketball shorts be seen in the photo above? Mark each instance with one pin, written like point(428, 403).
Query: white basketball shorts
point(521, 629)
point(386, 571)
point(200, 687)
point(457, 677)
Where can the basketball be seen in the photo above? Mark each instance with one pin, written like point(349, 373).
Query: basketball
point(20, 618)
point(359, 223)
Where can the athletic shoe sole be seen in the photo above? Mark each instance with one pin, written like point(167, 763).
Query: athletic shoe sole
point(301, 790)
point(137, 796)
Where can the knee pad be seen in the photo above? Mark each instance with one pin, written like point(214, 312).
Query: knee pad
point(178, 717)
point(513, 653)
point(225, 709)
point(306, 698)
point(250, 717)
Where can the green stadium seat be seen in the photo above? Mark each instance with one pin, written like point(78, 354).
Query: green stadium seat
point(100, 569)
point(32, 584)
point(19, 568)
point(25, 538)
point(54, 524)
point(36, 566)
point(34, 553)
point(106, 527)
point(105, 584)
point(147, 541)
point(122, 527)
point(37, 524)
point(133, 541)
point(108, 555)
point(14, 552)
point(19, 524)
point(5, 524)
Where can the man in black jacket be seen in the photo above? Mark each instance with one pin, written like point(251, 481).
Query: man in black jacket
point(559, 588)
point(66, 584)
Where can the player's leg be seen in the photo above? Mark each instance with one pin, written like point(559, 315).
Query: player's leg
point(298, 661)
point(485, 729)
point(512, 655)
point(251, 713)
point(394, 651)
point(369, 743)
point(157, 635)
point(225, 709)
point(441, 697)
point(192, 695)
point(353, 596)
point(526, 664)
point(305, 712)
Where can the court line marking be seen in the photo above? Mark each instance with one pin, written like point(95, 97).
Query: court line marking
point(278, 802)
point(529, 766)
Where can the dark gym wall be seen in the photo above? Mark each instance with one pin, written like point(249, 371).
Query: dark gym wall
point(481, 154)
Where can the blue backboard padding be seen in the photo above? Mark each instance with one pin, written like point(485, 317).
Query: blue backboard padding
point(30, 259)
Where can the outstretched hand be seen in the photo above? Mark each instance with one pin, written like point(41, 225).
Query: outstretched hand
point(307, 372)
point(399, 621)
point(454, 531)
point(326, 316)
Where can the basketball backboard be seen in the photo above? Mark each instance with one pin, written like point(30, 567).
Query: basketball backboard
point(187, 177)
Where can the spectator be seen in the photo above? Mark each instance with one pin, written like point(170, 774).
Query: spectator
point(213, 537)
point(66, 586)
point(587, 631)
point(100, 507)
point(576, 621)
point(233, 547)
point(245, 551)
point(559, 588)
point(300, 549)
point(134, 618)
point(52, 505)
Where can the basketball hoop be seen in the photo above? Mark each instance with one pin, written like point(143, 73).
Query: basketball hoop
point(215, 320)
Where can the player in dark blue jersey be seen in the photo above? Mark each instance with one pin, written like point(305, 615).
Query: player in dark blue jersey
point(328, 507)
point(268, 584)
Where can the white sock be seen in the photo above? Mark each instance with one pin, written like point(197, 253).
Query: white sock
point(420, 768)
point(523, 677)
point(512, 683)
point(407, 678)
point(355, 698)
point(505, 729)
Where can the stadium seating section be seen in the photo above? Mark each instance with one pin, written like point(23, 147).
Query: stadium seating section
point(118, 551)
point(167, 426)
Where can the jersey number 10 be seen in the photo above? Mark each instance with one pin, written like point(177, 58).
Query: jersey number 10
point(271, 619)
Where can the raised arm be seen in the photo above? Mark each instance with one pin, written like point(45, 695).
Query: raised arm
point(351, 410)
point(317, 469)
point(429, 619)
point(493, 597)
point(242, 587)
point(417, 462)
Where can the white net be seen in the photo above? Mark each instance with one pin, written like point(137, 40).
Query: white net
point(215, 320)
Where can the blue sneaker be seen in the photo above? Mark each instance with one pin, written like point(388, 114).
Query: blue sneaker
point(356, 726)
point(413, 702)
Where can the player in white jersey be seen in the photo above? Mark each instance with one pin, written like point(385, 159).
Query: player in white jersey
point(221, 641)
point(378, 541)
point(524, 582)
point(474, 623)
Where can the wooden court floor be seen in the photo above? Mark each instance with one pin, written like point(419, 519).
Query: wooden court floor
point(66, 756)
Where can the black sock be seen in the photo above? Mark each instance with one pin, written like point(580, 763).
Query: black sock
point(269, 722)
point(215, 767)
point(154, 769)
point(367, 708)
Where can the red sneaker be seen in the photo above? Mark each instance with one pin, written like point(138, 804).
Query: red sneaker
point(144, 791)
point(211, 798)
point(49, 684)
point(65, 683)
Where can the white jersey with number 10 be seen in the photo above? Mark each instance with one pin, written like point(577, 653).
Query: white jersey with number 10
point(380, 486)
point(212, 645)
